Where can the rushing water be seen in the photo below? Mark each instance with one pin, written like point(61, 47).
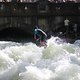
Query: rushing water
point(58, 61)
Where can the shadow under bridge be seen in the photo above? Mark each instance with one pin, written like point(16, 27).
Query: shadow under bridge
point(19, 31)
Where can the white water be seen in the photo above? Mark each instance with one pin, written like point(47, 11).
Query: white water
point(59, 61)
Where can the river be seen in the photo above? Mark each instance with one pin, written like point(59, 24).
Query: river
point(60, 60)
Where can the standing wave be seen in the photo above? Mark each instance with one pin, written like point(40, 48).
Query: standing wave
point(58, 61)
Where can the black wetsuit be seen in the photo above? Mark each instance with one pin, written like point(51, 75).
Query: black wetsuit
point(40, 35)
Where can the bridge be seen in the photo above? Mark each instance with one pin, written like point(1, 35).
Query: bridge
point(25, 16)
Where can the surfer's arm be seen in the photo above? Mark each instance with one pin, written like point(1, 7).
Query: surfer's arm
point(35, 32)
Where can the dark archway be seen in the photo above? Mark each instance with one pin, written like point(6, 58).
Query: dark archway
point(14, 34)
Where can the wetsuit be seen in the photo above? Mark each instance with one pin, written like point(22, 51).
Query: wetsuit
point(40, 36)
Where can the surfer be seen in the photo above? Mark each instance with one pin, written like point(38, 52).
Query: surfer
point(40, 36)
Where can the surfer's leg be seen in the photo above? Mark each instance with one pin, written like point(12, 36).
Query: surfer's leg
point(43, 41)
point(37, 41)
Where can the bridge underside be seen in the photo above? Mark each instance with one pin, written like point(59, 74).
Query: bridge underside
point(19, 19)
point(14, 34)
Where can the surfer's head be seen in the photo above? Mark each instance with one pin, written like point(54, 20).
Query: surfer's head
point(35, 27)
